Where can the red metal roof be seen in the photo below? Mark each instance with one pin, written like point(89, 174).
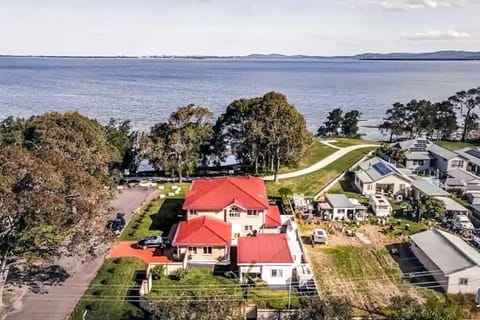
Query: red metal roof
point(202, 231)
point(264, 248)
point(272, 219)
point(217, 193)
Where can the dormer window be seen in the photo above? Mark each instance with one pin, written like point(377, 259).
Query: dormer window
point(234, 213)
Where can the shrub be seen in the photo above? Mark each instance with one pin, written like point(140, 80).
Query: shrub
point(106, 281)
point(158, 272)
point(92, 306)
point(111, 270)
point(97, 293)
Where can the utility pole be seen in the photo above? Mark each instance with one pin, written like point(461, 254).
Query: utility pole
point(289, 292)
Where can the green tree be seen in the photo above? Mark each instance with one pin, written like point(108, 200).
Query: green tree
point(333, 125)
point(350, 123)
point(178, 143)
point(11, 131)
point(467, 102)
point(395, 121)
point(124, 139)
point(430, 208)
point(445, 120)
point(408, 308)
point(262, 132)
point(76, 138)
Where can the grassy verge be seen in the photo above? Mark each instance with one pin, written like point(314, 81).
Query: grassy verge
point(456, 145)
point(105, 297)
point(346, 142)
point(311, 183)
point(315, 153)
point(156, 217)
point(273, 299)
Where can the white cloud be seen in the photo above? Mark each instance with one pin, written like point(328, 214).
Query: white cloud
point(402, 5)
point(436, 35)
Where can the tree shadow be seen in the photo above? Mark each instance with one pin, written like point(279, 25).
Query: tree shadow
point(35, 277)
point(167, 215)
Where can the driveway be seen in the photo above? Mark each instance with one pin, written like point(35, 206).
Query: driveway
point(320, 164)
point(57, 302)
point(126, 249)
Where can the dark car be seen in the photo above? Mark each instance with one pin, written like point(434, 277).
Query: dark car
point(116, 225)
point(153, 242)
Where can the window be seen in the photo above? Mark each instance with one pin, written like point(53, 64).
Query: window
point(234, 213)
point(193, 213)
point(192, 250)
point(340, 210)
point(369, 186)
point(277, 273)
point(457, 163)
point(463, 281)
point(418, 162)
point(248, 228)
point(252, 213)
point(402, 187)
point(207, 250)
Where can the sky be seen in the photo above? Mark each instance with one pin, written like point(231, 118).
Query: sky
point(236, 27)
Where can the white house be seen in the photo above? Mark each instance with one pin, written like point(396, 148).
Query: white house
point(266, 256)
point(380, 205)
point(453, 263)
point(339, 207)
point(376, 176)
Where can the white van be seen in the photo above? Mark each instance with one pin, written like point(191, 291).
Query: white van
point(319, 236)
point(461, 222)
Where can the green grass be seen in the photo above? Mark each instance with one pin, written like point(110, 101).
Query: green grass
point(456, 145)
point(154, 218)
point(105, 297)
point(315, 153)
point(346, 142)
point(310, 184)
point(273, 299)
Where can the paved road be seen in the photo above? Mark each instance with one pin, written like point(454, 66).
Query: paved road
point(60, 300)
point(320, 164)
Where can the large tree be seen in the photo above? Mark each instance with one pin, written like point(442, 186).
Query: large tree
point(430, 208)
point(467, 102)
point(325, 308)
point(350, 123)
point(333, 125)
point(445, 120)
point(180, 143)
point(395, 121)
point(408, 308)
point(124, 139)
point(263, 132)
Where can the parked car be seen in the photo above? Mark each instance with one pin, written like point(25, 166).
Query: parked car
point(116, 225)
point(461, 222)
point(319, 236)
point(153, 242)
point(476, 242)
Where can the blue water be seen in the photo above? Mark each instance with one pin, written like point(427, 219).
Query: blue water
point(148, 90)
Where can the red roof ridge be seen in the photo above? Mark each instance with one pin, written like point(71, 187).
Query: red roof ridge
point(249, 194)
point(208, 227)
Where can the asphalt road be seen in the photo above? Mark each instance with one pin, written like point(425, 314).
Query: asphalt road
point(57, 302)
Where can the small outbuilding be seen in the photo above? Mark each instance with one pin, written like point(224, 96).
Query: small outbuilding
point(380, 205)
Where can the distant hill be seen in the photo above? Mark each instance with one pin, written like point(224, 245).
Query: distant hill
point(438, 55)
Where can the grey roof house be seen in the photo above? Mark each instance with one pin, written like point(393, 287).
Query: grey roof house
point(473, 157)
point(339, 207)
point(423, 155)
point(453, 263)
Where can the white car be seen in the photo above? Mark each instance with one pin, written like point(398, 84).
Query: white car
point(319, 236)
point(461, 222)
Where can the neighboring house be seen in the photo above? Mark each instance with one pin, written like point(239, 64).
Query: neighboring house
point(266, 256)
point(473, 157)
point(453, 207)
point(423, 155)
point(339, 207)
point(240, 201)
point(380, 205)
point(376, 176)
point(204, 240)
point(453, 263)
point(462, 180)
point(423, 187)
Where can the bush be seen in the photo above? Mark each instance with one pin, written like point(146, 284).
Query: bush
point(97, 293)
point(158, 272)
point(92, 306)
point(106, 281)
point(116, 261)
point(111, 270)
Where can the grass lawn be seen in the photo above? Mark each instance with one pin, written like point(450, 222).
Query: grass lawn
point(346, 142)
point(315, 153)
point(156, 217)
point(310, 184)
point(273, 299)
point(456, 145)
point(105, 298)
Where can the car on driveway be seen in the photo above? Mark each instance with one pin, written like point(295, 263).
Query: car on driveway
point(461, 222)
point(116, 225)
point(153, 242)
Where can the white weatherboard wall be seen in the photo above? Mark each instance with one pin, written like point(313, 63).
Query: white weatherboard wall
point(473, 282)
point(286, 274)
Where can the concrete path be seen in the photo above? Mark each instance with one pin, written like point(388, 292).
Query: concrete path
point(322, 163)
point(57, 302)
point(329, 143)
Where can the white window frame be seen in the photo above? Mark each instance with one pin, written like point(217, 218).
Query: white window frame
point(248, 227)
point(252, 213)
point(276, 273)
point(193, 212)
point(463, 281)
point(234, 213)
point(192, 250)
point(207, 251)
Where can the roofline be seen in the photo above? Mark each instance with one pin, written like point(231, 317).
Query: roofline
point(264, 263)
point(195, 244)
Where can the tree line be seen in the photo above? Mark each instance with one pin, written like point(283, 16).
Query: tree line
point(339, 123)
point(435, 120)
